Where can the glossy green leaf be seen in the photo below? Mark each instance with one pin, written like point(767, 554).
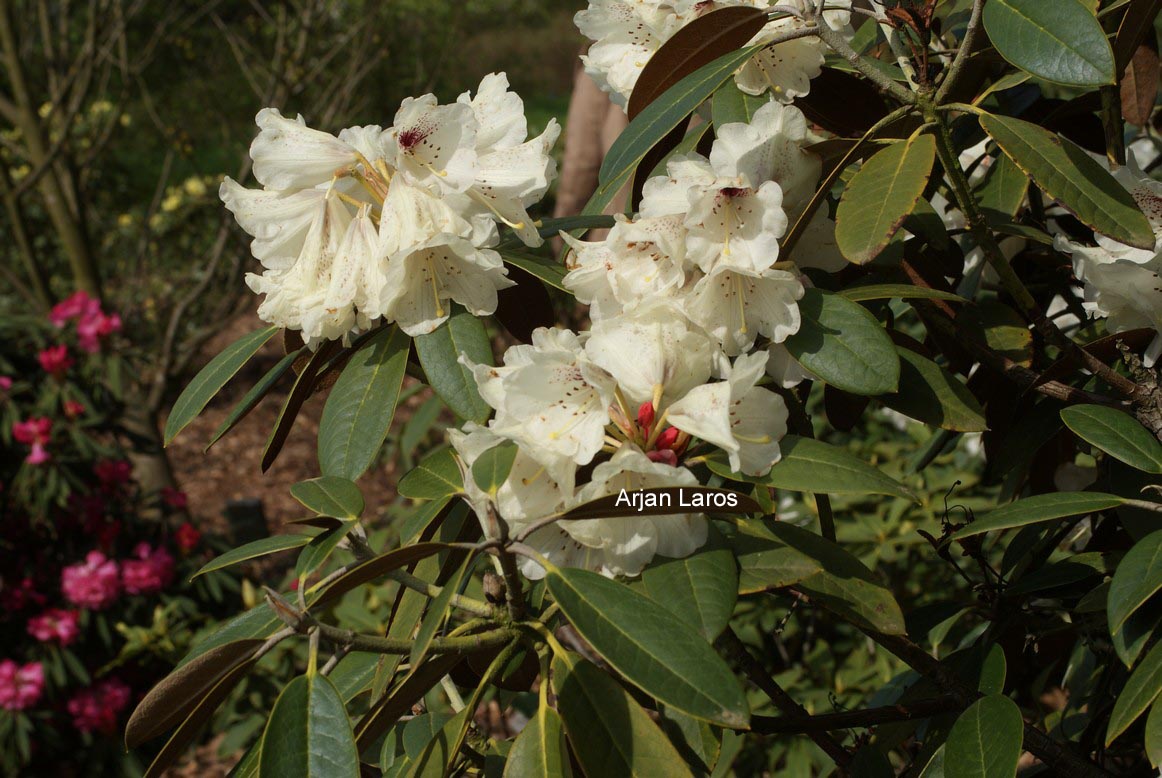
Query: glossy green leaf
point(1136, 631)
point(491, 468)
point(652, 648)
point(1070, 176)
point(1137, 579)
point(844, 585)
point(308, 734)
point(1004, 189)
point(540, 751)
point(258, 622)
point(439, 353)
point(1041, 507)
point(985, 742)
point(361, 405)
point(731, 105)
point(210, 380)
point(1154, 734)
point(844, 345)
point(881, 195)
point(254, 396)
point(550, 271)
point(438, 611)
point(809, 465)
point(610, 733)
point(330, 495)
point(931, 394)
point(896, 292)
point(320, 548)
point(700, 589)
point(254, 550)
point(1117, 433)
point(368, 571)
point(1061, 41)
point(442, 749)
point(436, 476)
point(766, 562)
point(992, 674)
point(1141, 689)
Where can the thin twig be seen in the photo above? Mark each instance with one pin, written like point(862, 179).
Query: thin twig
point(956, 69)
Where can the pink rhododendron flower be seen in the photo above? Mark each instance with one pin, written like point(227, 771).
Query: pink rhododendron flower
point(73, 409)
point(76, 306)
point(17, 597)
point(20, 686)
point(55, 360)
point(55, 624)
point(96, 709)
point(35, 433)
point(5, 383)
point(151, 571)
point(174, 498)
point(94, 583)
point(113, 472)
point(91, 329)
point(187, 537)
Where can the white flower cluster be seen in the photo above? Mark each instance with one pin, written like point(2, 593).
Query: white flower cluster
point(1123, 283)
point(675, 293)
point(626, 33)
point(390, 224)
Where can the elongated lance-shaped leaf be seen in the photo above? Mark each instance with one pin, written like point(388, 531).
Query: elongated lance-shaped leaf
point(308, 734)
point(256, 394)
point(1141, 689)
point(1117, 433)
point(540, 751)
point(1041, 507)
point(881, 195)
point(652, 648)
point(361, 405)
point(897, 291)
point(931, 394)
point(436, 476)
point(438, 611)
point(1069, 175)
point(331, 496)
point(254, 550)
point(1061, 41)
point(439, 352)
point(985, 742)
point(1137, 579)
point(491, 469)
point(210, 380)
point(700, 589)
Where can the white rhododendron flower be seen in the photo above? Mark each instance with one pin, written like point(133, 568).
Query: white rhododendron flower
point(736, 305)
point(1124, 284)
point(626, 33)
point(745, 420)
point(392, 224)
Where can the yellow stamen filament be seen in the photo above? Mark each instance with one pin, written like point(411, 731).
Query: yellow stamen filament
point(532, 478)
point(659, 423)
point(483, 200)
point(761, 440)
point(741, 303)
point(435, 286)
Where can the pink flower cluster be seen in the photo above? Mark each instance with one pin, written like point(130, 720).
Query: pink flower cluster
point(35, 433)
point(55, 360)
point(20, 686)
point(92, 323)
point(113, 472)
point(96, 709)
point(55, 624)
point(151, 571)
point(94, 583)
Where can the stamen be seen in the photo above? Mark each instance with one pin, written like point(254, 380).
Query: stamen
point(483, 200)
point(435, 285)
point(532, 478)
point(741, 302)
point(761, 440)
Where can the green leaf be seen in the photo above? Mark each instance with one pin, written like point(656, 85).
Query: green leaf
point(549, 228)
point(435, 477)
point(655, 122)
point(992, 674)
point(173, 698)
point(1117, 433)
point(439, 353)
point(368, 571)
point(931, 394)
point(1137, 579)
point(844, 585)
point(1134, 634)
point(258, 622)
point(321, 547)
point(361, 405)
point(1004, 190)
point(210, 380)
point(254, 396)
point(1041, 507)
point(330, 495)
point(1140, 691)
point(610, 733)
point(548, 270)
point(700, 589)
point(253, 550)
point(881, 195)
point(859, 294)
point(985, 742)
point(1070, 176)
point(652, 648)
point(1060, 41)
point(809, 465)
point(766, 562)
point(442, 749)
point(491, 469)
point(844, 345)
point(308, 734)
point(1154, 734)
point(438, 611)
point(539, 751)
point(731, 105)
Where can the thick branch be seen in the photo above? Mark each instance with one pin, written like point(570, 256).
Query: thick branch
point(956, 69)
point(841, 47)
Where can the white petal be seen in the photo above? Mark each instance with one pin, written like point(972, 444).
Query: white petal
point(289, 155)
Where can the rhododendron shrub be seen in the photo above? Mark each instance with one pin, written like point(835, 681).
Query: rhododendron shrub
point(95, 603)
point(851, 465)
